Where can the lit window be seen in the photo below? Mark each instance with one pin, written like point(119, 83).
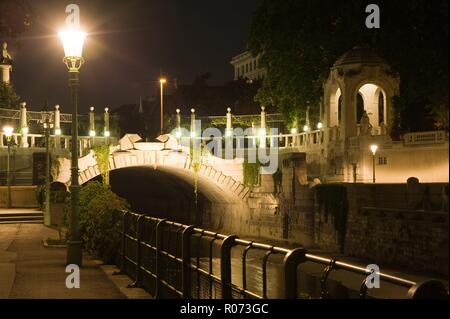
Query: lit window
point(382, 160)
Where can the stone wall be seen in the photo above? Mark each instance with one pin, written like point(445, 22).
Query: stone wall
point(404, 225)
point(411, 229)
point(21, 196)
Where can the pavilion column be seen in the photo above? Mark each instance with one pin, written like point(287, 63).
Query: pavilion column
point(23, 125)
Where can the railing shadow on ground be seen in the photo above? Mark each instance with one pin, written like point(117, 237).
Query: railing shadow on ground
point(172, 260)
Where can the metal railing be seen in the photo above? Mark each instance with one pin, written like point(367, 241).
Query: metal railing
point(173, 260)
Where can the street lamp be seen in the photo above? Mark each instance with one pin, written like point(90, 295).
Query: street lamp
point(73, 41)
point(46, 124)
point(374, 149)
point(8, 131)
point(162, 81)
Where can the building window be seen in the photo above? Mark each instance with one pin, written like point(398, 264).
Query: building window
point(251, 66)
point(254, 64)
point(246, 68)
point(382, 160)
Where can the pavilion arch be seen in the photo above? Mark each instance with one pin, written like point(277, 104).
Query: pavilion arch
point(335, 107)
point(375, 103)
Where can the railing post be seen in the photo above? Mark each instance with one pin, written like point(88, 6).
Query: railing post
point(186, 256)
point(123, 242)
point(225, 265)
point(158, 259)
point(290, 263)
point(430, 289)
point(138, 252)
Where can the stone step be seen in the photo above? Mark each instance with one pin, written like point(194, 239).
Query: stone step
point(11, 218)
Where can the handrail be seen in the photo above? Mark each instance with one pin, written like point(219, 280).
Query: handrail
point(184, 263)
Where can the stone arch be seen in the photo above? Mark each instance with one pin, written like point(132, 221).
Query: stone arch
point(334, 112)
point(371, 91)
point(218, 179)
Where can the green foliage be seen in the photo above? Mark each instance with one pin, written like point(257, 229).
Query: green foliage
point(251, 173)
point(56, 196)
point(102, 157)
point(299, 40)
point(56, 165)
point(15, 17)
point(99, 225)
point(332, 199)
point(8, 97)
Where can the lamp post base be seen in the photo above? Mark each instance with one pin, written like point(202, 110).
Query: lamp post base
point(74, 253)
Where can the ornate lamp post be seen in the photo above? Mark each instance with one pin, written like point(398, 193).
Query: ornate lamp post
point(8, 131)
point(374, 149)
point(162, 81)
point(73, 41)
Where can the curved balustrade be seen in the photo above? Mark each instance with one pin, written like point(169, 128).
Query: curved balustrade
point(62, 142)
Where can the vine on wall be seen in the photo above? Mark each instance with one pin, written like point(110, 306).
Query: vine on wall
point(251, 173)
point(102, 156)
point(56, 165)
point(332, 199)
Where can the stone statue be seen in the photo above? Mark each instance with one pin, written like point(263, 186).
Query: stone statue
point(6, 58)
point(365, 126)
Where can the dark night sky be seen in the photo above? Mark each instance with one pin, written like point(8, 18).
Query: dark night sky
point(129, 44)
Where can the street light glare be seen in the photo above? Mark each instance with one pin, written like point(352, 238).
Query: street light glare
point(73, 41)
point(162, 80)
point(374, 148)
point(8, 130)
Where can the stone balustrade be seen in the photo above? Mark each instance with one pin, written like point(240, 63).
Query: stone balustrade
point(421, 138)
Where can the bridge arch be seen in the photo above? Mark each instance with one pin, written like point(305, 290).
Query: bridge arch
point(218, 179)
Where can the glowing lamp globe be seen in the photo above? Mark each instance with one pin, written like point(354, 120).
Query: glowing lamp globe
point(374, 148)
point(73, 41)
point(8, 131)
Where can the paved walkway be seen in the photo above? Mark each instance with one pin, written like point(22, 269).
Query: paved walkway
point(29, 270)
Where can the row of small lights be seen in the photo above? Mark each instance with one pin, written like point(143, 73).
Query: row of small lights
point(306, 128)
point(8, 131)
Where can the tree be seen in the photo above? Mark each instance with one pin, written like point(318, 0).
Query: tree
point(299, 40)
point(15, 18)
point(8, 97)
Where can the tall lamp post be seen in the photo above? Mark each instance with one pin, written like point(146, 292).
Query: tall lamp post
point(8, 131)
point(73, 41)
point(162, 81)
point(46, 124)
point(374, 149)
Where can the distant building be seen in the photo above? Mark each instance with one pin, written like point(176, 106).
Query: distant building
point(246, 66)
